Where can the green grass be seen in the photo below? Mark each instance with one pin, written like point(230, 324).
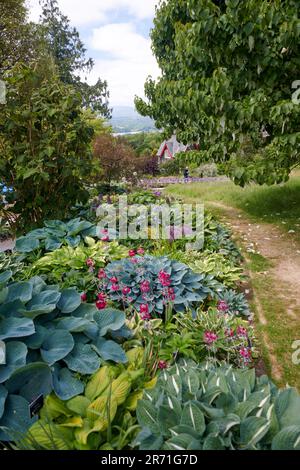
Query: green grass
point(278, 204)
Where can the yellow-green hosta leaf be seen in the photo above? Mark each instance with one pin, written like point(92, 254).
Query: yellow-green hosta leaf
point(53, 408)
point(75, 422)
point(120, 388)
point(135, 356)
point(100, 408)
point(132, 400)
point(51, 436)
point(79, 405)
point(151, 383)
point(99, 382)
point(89, 427)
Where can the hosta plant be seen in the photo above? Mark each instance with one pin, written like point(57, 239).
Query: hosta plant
point(148, 284)
point(63, 264)
point(102, 417)
point(234, 303)
point(54, 234)
point(48, 340)
point(202, 407)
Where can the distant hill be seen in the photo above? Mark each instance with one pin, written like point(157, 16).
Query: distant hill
point(126, 120)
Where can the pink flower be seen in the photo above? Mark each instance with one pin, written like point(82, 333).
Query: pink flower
point(126, 290)
point(114, 280)
point(229, 332)
point(162, 365)
point(90, 263)
point(105, 238)
point(104, 231)
point(145, 286)
point(84, 297)
point(144, 308)
point(171, 294)
point(241, 331)
point(145, 316)
point(131, 253)
point(101, 304)
point(101, 274)
point(115, 287)
point(141, 251)
point(222, 306)
point(246, 353)
point(134, 260)
point(210, 337)
point(164, 278)
point(101, 296)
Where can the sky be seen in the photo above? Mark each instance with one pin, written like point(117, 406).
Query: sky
point(116, 35)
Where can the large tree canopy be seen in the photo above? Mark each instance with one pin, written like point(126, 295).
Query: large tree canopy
point(64, 44)
point(228, 72)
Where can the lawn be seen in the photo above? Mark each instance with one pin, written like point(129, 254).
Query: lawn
point(275, 204)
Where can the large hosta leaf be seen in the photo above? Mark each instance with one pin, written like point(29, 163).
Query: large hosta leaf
point(30, 381)
point(16, 353)
point(3, 396)
point(5, 276)
point(42, 303)
point(253, 429)
point(287, 406)
point(50, 436)
point(27, 244)
point(287, 439)
point(16, 327)
point(83, 359)
point(192, 416)
point(74, 324)
point(16, 418)
point(110, 351)
point(56, 346)
point(147, 416)
point(109, 319)
point(66, 386)
point(35, 341)
point(79, 405)
point(19, 291)
point(69, 301)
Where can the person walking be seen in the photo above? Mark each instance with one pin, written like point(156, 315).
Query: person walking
point(186, 175)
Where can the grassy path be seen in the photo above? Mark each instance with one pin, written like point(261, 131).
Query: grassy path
point(272, 257)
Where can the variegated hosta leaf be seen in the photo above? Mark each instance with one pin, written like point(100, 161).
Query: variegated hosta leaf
point(287, 439)
point(192, 416)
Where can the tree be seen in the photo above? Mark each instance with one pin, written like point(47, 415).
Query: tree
point(228, 72)
point(113, 159)
point(18, 39)
point(45, 152)
point(64, 44)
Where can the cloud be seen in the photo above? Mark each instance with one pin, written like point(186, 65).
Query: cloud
point(130, 61)
point(82, 12)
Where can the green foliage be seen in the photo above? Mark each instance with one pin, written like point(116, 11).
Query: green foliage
point(48, 339)
point(188, 288)
point(103, 417)
point(202, 407)
point(45, 151)
point(54, 234)
point(68, 266)
point(230, 74)
point(172, 167)
point(237, 303)
point(145, 143)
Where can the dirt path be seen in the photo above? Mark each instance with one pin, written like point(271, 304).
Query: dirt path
point(284, 254)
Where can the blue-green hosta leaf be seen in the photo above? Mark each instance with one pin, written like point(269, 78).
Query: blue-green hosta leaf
point(192, 416)
point(3, 396)
point(19, 291)
point(192, 382)
point(287, 406)
point(287, 439)
point(38, 284)
point(16, 353)
point(110, 351)
point(52, 244)
point(57, 345)
point(2, 352)
point(147, 416)
point(16, 418)
point(73, 324)
point(83, 359)
point(30, 381)
point(76, 226)
point(65, 385)
point(16, 327)
point(167, 418)
point(148, 441)
point(27, 244)
point(73, 241)
point(36, 340)
point(41, 304)
point(182, 442)
point(85, 311)
point(213, 443)
point(3, 294)
point(69, 301)
point(5, 276)
point(252, 430)
point(109, 319)
point(56, 224)
point(174, 386)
